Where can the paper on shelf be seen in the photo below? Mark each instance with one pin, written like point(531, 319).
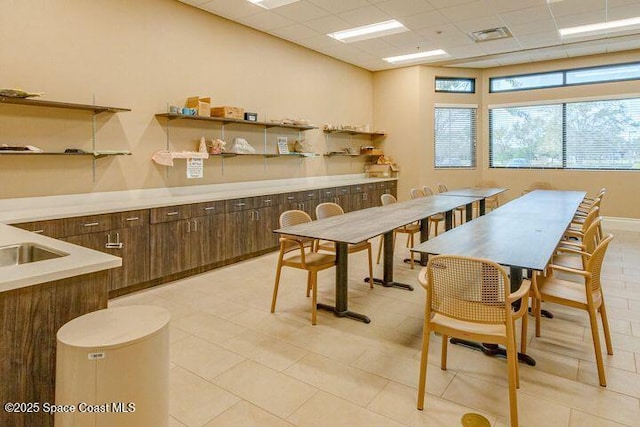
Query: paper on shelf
point(165, 157)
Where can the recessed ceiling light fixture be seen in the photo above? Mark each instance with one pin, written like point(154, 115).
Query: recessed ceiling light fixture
point(369, 31)
point(271, 4)
point(600, 27)
point(413, 57)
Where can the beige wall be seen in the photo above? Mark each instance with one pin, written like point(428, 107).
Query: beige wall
point(144, 55)
point(396, 93)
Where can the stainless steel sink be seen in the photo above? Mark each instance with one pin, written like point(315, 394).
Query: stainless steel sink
point(24, 253)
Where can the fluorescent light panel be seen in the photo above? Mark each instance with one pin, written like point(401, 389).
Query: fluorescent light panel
point(600, 27)
point(370, 31)
point(413, 57)
point(272, 4)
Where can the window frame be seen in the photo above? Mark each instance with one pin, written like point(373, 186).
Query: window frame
point(564, 78)
point(471, 80)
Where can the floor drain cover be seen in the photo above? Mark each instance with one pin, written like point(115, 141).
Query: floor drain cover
point(475, 420)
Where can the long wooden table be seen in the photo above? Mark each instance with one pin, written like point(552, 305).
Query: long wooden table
point(482, 192)
point(358, 226)
point(522, 234)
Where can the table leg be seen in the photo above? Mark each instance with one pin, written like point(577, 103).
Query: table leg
point(342, 304)
point(483, 207)
point(424, 236)
point(494, 349)
point(468, 212)
point(448, 220)
point(387, 280)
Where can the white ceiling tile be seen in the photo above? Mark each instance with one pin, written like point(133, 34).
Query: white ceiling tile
point(548, 56)
point(623, 45)
point(536, 40)
point(478, 24)
point(523, 16)
point(337, 6)
point(514, 59)
point(328, 24)
point(439, 4)
point(410, 38)
point(424, 20)
point(400, 8)
point(319, 42)
point(499, 46)
point(501, 6)
point(231, 9)
point(589, 50)
point(300, 11)
point(580, 19)
point(629, 11)
point(569, 7)
point(194, 2)
point(265, 21)
point(462, 12)
point(448, 33)
point(467, 51)
point(378, 47)
point(480, 63)
point(533, 27)
point(295, 32)
point(364, 16)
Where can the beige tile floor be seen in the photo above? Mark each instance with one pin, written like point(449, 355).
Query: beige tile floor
point(233, 363)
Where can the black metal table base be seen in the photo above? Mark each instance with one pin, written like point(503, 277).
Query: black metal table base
point(415, 261)
point(492, 350)
point(381, 282)
point(543, 313)
point(347, 313)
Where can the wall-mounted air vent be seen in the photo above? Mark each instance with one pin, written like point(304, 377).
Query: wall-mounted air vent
point(490, 34)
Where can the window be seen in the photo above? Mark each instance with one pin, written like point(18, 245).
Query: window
point(455, 137)
point(578, 76)
point(455, 85)
point(574, 135)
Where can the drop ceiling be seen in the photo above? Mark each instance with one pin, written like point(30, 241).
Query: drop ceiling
point(440, 24)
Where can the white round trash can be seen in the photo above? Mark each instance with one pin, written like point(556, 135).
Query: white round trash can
point(112, 369)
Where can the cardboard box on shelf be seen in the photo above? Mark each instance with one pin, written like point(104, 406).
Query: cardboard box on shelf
point(382, 171)
point(201, 105)
point(228, 112)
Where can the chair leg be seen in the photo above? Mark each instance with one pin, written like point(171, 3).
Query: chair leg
point(380, 248)
point(411, 253)
point(538, 311)
point(443, 354)
point(370, 267)
point(309, 286)
point(426, 334)
point(436, 223)
point(523, 333)
point(512, 362)
point(596, 346)
point(276, 284)
point(605, 327)
point(314, 300)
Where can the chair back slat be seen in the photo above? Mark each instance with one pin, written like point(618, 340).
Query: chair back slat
point(594, 266)
point(387, 199)
point(294, 217)
point(417, 192)
point(427, 191)
point(325, 210)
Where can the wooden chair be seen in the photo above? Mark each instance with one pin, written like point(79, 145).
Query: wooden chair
point(300, 258)
point(588, 202)
point(575, 254)
point(460, 209)
point(326, 210)
point(470, 298)
point(492, 202)
point(577, 229)
point(409, 229)
point(434, 220)
point(583, 292)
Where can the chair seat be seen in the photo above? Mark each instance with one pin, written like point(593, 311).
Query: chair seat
point(409, 228)
point(437, 217)
point(571, 261)
point(312, 259)
point(566, 291)
point(494, 333)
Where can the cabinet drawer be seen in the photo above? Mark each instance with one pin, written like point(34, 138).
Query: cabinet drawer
point(356, 189)
point(51, 228)
point(132, 219)
point(341, 191)
point(309, 195)
point(89, 224)
point(290, 198)
point(239, 204)
point(266, 201)
point(170, 213)
point(328, 192)
point(207, 208)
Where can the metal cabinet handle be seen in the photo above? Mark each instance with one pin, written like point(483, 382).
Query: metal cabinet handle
point(195, 225)
point(174, 213)
point(365, 196)
point(133, 218)
point(267, 201)
point(113, 245)
point(91, 224)
point(188, 226)
point(257, 215)
point(302, 206)
point(38, 231)
point(209, 208)
point(253, 215)
point(240, 204)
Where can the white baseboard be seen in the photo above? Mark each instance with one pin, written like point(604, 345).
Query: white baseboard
point(621, 224)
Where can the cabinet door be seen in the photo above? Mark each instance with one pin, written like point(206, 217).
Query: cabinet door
point(206, 240)
point(97, 241)
point(134, 254)
point(266, 220)
point(168, 248)
point(240, 236)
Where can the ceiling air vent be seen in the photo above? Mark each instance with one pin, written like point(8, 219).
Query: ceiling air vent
point(490, 34)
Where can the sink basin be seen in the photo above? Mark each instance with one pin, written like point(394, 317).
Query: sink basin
point(24, 253)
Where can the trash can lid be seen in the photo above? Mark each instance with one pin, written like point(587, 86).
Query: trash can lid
point(113, 326)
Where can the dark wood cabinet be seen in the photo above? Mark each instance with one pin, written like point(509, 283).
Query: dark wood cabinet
point(250, 231)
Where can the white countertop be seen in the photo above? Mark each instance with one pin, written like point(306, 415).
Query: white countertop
point(82, 260)
point(79, 261)
point(17, 210)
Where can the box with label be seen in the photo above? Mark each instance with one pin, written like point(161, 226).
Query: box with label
point(382, 171)
point(252, 117)
point(201, 105)
point(228, 112)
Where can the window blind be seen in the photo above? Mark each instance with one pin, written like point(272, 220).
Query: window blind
point(455, 137)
